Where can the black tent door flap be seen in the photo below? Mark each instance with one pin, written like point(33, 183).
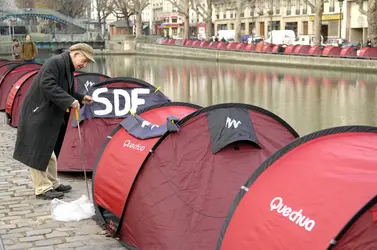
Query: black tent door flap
point(227, 126)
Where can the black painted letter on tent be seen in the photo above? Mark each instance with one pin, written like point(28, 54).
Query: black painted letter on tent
point(230, 125)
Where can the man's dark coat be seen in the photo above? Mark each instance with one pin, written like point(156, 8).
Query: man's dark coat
point(43, 117)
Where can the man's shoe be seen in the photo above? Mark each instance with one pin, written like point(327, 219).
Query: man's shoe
point(50, 195)
point(63, 188)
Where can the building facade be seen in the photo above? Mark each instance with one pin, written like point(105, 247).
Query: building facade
point(296, 15)
point(166, 19)
point(357, 22)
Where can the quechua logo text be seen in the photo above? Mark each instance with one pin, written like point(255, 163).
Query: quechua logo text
point(294, 216)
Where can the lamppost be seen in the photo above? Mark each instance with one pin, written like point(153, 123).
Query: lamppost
point(340, 17)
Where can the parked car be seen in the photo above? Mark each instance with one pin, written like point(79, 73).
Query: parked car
point(281, 37)
point(306, 40)
point(254, 39)
point(335, 42)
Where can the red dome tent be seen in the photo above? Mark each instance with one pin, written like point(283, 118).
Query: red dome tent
point(308, 194)
point(113, 99)
point(7, 66)
point(19, 88)
point(3, 61)
point(16, 96)
point(183, 191)
point(111, 170)
point(11, 76)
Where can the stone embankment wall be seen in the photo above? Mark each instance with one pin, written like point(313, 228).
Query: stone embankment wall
point(256, 58)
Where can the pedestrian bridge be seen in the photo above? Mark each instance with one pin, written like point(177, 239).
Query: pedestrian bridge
point(43, 13)
point(60, 46)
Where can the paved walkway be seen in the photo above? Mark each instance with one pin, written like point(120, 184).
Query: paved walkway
point(25, 222)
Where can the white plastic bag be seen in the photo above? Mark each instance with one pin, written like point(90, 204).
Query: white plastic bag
point(76, 210)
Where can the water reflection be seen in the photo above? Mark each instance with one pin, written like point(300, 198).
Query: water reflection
point(307, 99)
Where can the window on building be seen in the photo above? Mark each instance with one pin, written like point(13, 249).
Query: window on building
point(217, 16)
point(251, 28)
point(252, 12)
point(243, 26)
point(174, 20)
point(231, 15)
point(224, 15)
point(306, 27)
point(242, 14)
point(298, 7)
point(289, 7)
point(305, 8)
point(221, 27)
point(277, 7)
point(332, 6)
point(232, 26)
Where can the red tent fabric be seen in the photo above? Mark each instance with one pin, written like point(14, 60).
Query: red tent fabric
point(183, 191)
point(304, 195)
point(16, 96)
point(360, 232)
point(10, 77)
point(117, 166)
point(95, 130)
point(7, 66)
point(3, 61)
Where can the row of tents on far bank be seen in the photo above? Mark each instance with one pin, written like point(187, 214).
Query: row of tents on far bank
point(173, 175)
point(270, 48)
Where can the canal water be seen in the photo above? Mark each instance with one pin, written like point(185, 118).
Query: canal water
point(308, 99)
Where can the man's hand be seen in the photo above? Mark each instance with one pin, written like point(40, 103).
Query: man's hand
point(87, 100)
point(75, 104)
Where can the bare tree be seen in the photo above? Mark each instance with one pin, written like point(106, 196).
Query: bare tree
point(205, 12)
point(238, 20)
point(137, 7)
point(123, 10)
point(72, 8)
point(104, 8)
point(316, 7)
point(318, 21)
point(372, 18)
point(183, 7)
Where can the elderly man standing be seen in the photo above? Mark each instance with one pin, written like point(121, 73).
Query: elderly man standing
point(44, 117)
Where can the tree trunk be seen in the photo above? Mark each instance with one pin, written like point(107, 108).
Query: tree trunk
point(209, 31)
point(128, 23)
point(238, 21)
point(138, 24)
point(318, 22)
point(372, 21)
point(103, 26)
point(208, 20)
point(186, 27)
point(99, 17)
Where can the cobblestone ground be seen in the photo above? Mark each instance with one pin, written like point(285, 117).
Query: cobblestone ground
point(25, 222)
